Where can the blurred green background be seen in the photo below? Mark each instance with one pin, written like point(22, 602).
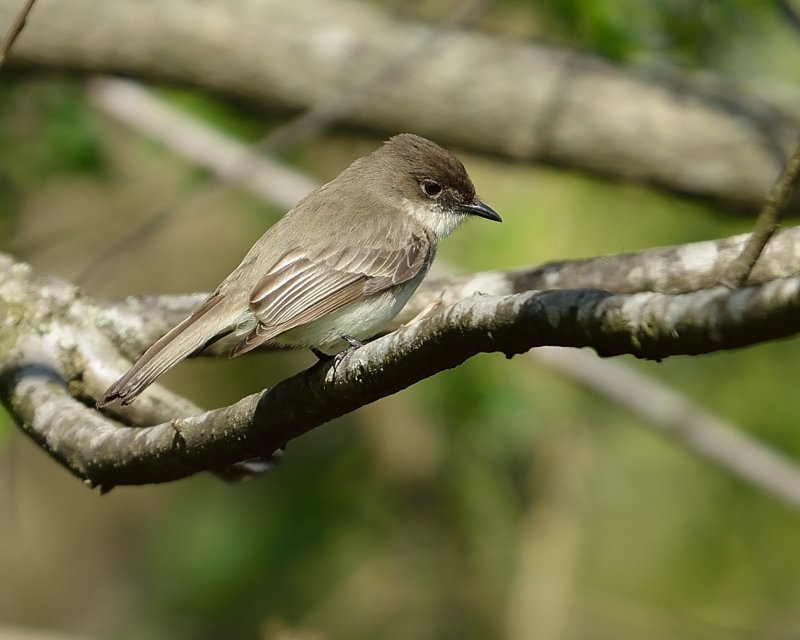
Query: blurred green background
point(497, 500)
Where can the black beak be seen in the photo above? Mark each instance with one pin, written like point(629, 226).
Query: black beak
point(477, 208)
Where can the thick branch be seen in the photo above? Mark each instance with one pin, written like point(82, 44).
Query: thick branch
point(55, 358)
point(519, 100)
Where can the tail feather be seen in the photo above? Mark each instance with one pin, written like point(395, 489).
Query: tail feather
point(189, 336)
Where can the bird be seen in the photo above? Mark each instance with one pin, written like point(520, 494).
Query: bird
point(335, 269)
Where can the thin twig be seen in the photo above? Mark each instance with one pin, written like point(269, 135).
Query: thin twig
point(769, 219)
point(15, 29)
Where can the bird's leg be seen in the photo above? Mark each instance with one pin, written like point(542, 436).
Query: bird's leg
point(352, 345)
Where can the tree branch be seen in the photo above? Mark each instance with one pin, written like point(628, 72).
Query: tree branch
point(520, 100)
point(55, 359)
point(769, 219)
point(17, 25)
point(673, 415)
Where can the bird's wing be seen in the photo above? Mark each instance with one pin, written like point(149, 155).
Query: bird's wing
point(305, 285)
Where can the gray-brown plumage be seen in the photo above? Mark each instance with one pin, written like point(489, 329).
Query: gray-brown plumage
point(336, 268)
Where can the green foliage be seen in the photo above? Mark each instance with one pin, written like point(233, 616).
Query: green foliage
point(684, 31)
point(46, 128)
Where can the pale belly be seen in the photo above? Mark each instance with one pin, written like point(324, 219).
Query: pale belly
point(359, 320)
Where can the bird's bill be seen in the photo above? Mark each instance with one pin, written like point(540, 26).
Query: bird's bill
point(477, 208)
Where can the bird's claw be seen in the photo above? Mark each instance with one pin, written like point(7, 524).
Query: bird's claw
point(352, 345)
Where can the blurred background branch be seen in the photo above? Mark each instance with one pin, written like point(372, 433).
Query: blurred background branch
point(516, 99)
point(678, 418)
point(17, 25)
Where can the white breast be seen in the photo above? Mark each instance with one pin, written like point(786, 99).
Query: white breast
point(360, 320)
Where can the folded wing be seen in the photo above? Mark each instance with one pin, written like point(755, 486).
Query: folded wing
point(305, 285)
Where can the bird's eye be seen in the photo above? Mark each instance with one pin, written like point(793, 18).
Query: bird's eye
point(431, 188)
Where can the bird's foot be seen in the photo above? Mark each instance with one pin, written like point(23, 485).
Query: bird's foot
point(338, 358)
point(352, 345)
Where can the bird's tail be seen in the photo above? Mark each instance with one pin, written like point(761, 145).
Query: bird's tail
point(213, 317)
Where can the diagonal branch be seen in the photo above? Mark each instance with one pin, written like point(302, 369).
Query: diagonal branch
point(677, 417)
point(58, 356)
point(15, 29)
point(769, 218)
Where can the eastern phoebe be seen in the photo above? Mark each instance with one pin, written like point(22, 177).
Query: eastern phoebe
point(335, 269)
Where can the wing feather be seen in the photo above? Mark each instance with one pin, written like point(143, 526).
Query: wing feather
point(303, 286)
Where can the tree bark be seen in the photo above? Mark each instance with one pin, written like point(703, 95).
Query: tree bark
point(59, 349)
